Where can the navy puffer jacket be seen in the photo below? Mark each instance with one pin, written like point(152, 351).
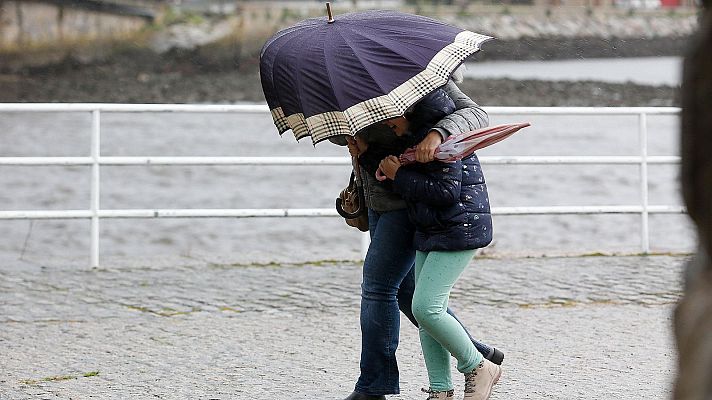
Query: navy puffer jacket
point(448, 203)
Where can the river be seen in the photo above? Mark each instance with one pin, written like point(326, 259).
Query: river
point(642, 70)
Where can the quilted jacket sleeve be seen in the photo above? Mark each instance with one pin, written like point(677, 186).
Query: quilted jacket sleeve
point(439, 187)
point(467, 116)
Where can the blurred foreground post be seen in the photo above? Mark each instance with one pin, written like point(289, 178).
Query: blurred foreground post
point(693, 316)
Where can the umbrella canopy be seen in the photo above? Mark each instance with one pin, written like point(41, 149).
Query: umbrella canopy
point(457, 147)
point(327, 77)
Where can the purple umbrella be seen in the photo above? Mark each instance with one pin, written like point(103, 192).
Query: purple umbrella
point(326, 77)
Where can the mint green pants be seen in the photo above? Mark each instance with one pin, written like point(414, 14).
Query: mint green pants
point(440, 334)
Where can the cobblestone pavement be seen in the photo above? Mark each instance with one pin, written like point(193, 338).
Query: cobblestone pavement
point(571, 328)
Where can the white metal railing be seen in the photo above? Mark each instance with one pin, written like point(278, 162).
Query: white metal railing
point(95, 160)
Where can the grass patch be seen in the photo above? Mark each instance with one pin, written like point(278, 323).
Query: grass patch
point(175, 17)
point(58, 378)
point(276, 264)
point(566, 303)
point(230, 309)
point(163, 312)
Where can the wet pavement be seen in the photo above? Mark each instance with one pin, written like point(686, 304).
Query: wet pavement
point(571, 328)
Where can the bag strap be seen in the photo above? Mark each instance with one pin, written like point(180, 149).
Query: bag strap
point(359, 185)
point(356, 170)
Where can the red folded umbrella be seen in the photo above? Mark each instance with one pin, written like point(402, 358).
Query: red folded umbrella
point(457, 147)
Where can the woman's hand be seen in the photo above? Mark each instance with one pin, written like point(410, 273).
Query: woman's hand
point(357, 145)
point(425, 151)
point(353, 147)
point(389, 166)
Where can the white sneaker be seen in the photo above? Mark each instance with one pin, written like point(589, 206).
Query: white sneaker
point(447, 395)
point(479, 382)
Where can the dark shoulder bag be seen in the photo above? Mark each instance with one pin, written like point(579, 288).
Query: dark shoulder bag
point(351, 203)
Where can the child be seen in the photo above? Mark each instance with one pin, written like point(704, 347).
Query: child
point(448, 203)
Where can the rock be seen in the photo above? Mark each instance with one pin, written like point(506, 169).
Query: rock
point(190, 36)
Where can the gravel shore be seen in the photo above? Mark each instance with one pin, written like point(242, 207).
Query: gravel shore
point(143, 76)
point(127, 81)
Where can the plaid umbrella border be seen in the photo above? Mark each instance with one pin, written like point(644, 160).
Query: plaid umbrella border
point(394, 104)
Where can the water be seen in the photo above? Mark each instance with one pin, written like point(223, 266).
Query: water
point(643, 70)
point(263, 239)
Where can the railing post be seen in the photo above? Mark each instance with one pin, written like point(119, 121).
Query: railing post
point(644, 232)
point(95, 153)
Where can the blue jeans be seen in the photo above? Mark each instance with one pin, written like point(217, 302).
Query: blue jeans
point(388, 285)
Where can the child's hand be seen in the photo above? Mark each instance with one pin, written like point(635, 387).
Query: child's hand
point(425, 152)
point(389, 166)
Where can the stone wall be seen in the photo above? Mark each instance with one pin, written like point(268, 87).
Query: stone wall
point(33, 33)
point(27, 24)
point(571, 22)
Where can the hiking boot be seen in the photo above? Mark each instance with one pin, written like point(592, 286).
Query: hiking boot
point(479, 382)
point(448, 395)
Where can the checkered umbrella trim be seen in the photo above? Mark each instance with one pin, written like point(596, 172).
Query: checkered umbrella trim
point(394, 104)
point(299, 128)
point(280, 120)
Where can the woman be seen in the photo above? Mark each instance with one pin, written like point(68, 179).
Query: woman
point(388, 275)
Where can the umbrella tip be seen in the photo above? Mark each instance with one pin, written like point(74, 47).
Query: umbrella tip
point(328, 11)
